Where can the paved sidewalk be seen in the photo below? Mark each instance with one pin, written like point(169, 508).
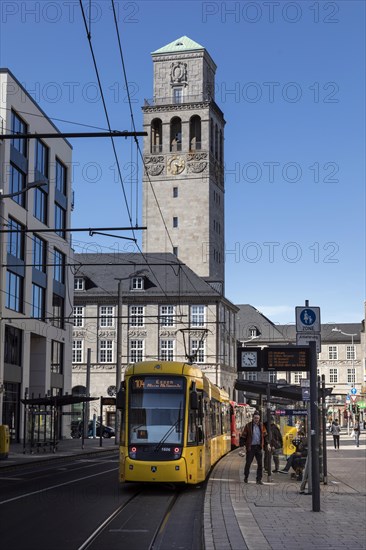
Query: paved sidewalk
point(276, 516)
point(65, 448)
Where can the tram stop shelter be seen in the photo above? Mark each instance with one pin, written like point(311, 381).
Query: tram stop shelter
point(41, 427)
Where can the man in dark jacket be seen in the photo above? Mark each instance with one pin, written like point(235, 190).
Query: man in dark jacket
point(255, 438)
point(275, 448)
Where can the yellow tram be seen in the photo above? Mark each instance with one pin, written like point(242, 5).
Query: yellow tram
point(175, 424)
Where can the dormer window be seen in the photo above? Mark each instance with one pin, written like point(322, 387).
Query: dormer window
point(79, 283)
point(138, 283)
point(253, 331)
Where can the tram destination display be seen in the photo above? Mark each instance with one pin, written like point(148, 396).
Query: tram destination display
point(157, 383)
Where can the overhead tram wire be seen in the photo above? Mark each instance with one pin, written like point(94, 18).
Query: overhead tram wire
point(107, 116)
point(138, 146)
point(132, 119)
point(106, 113)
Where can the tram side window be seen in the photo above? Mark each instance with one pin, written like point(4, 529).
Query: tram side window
point(225, 419)
point(195, 424)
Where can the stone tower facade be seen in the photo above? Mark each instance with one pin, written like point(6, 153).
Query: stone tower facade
point(183, 185)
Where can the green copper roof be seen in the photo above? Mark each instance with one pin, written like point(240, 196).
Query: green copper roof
point(182, 44)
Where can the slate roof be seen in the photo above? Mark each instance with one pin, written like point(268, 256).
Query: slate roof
point(164, 275)
point(249, 317)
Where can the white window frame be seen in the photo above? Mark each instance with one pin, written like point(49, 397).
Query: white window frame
point(78, 316)
point(351, 376)
point(178, 95)
point(167, 350)
point(272, 379)
point(167, 316)
point(251, 375)
point(136, 316)
point(77, 351)
point(351, 352)
point(106, 316)
point(136, 351)
point(298, 376)
point(198, 316)
point(333, 353)
point(106, 349)
point(333, 376)
point(79, 283)
point(138, 283)
point(200, 346)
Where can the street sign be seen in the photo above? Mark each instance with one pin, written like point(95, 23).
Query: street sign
point(305, 382)
point(348, 398)
point(353, 397)
point(303, 339)
point(305, 394)
point(307, 319)
point(353, 391)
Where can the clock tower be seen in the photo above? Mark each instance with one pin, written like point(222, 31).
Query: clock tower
point(183, 182)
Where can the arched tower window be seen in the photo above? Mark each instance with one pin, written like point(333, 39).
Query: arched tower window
point(156, 136)
point(195, 133)
point(176, 134)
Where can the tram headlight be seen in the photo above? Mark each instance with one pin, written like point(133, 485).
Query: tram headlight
point(132, 452)
point(177, 452)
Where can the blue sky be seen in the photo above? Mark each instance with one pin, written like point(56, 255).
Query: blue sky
point(291, 84)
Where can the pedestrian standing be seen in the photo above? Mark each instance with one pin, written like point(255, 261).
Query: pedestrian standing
point(255, 438)
point(275, 447)
point(335, 430)
point(357, 430)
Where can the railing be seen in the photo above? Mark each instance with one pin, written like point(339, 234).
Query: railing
point(172, 101)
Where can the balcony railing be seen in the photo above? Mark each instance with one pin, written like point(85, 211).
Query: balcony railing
point(197, 98)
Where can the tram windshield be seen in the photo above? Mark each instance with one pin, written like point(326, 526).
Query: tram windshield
point(156, 410)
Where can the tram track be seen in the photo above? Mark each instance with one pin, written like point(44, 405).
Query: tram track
point(139, 523)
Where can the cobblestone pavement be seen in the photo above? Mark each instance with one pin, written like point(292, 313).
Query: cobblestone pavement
point(275, 515)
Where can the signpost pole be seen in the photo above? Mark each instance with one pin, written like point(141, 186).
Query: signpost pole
point(324, 432)
point(314, 426)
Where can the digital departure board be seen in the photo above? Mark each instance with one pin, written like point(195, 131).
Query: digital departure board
point(287, 358)
point(157, 383)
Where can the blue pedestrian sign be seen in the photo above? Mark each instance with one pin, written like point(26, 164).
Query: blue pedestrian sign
point(353, 391)
point(307, 319)
point(348, 398)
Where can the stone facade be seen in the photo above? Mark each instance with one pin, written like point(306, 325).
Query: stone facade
point(183, 184)
point(149, 329)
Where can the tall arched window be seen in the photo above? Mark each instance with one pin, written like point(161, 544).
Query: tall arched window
point(195, 133)
point(176, 134)
point(156, 136)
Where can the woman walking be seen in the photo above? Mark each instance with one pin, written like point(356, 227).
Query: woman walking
point(335, 430)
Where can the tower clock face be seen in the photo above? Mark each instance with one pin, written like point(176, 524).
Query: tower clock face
point(176, 165)
point(249, 359)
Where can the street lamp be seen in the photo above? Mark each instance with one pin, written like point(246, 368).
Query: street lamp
point(335, 329)
point(31, 185)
